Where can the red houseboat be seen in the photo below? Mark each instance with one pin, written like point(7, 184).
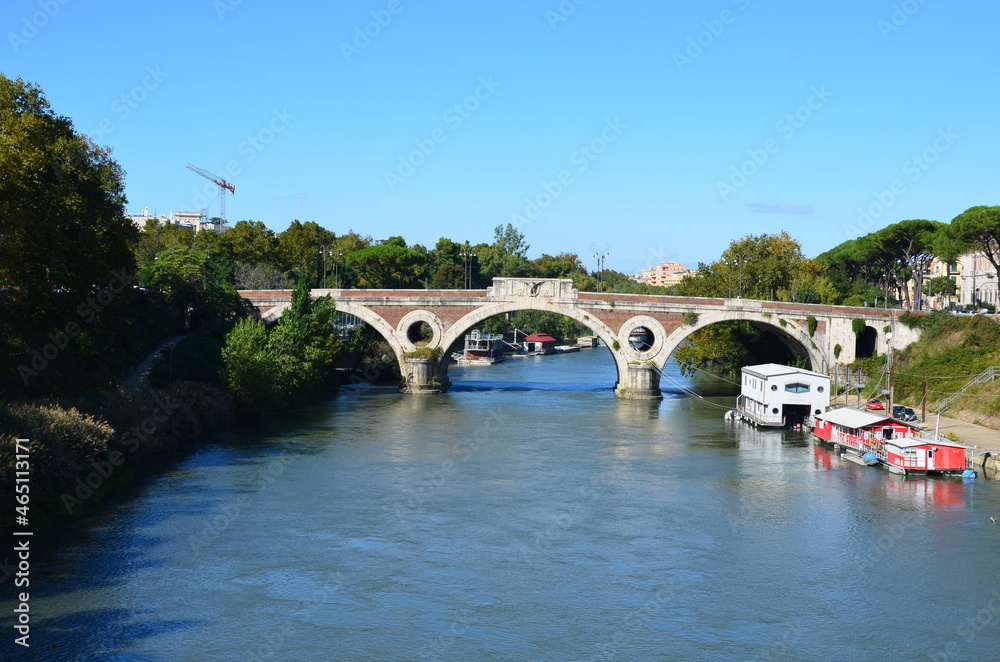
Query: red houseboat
point(919, 455)
point(892, 442)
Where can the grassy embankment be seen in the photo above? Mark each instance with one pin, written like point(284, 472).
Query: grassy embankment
point(951, 352)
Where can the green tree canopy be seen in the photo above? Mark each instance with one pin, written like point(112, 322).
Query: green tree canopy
point(978, 229)
point(386, 265)
point(62, 203)
point(299, 247)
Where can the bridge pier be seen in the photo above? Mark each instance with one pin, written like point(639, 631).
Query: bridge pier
point(422, 376)
point(640, 381)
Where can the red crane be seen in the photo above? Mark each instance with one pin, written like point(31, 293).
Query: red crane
point(223, 187)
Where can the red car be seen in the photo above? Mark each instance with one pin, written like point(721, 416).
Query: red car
point(875, 403)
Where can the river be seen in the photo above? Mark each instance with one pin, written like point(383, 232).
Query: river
point(528, 514)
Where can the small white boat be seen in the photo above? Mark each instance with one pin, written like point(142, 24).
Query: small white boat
point(866, 460)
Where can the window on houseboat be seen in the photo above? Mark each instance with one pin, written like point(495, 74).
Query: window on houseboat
point(797, 388)
point(887, 433)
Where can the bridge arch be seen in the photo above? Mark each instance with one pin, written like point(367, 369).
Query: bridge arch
point(794, 337)
point(464, 325)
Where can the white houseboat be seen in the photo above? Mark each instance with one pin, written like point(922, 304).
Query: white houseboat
point(481, 349)
point(775, 395)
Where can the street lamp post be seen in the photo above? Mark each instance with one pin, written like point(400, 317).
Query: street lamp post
point(467, 273)
point(323, 250)
point(740, 259)
point(600, 256)
point(336, 271)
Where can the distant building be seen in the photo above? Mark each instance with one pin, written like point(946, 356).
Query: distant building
point(951, 270)
point(192, 220)
point(978, 280)
point(540, 343)
point(665, 275)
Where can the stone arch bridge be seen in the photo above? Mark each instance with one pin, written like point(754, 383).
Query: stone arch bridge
point(397, 314)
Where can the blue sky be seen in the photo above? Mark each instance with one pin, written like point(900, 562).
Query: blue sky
point(651, 130)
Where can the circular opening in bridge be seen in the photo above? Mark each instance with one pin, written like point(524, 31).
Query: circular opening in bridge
point(641, 338)
point(420, 333)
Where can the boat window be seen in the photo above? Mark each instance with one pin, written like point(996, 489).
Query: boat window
point(887, 433)
point(819, 389)
point(774, 387)
point(797, 388)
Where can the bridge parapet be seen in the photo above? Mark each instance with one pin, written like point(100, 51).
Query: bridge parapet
point(504, 289)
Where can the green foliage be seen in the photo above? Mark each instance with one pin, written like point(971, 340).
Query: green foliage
point(507, 255)
point(616, 345)
point(977, 228)
point(858, 326)
point(424, 353)
point(853, 300)
point(269, 370)
point(387, 265)
point(252, 242)
point(690, 319)
point(197, 358)
point(837, 349)
point(726, 347)
point(811, 323)
point(188, 279)
point(299, 248)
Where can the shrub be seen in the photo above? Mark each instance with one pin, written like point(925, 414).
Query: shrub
point(858, 326)
point(811, 323)
point(424, 353)
point(690, 319)
point(837, 349)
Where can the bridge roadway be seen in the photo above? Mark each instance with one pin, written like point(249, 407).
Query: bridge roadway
point(397, 314)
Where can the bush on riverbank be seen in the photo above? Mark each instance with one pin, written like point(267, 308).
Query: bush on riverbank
point(78, 454)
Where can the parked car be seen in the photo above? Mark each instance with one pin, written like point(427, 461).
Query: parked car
point(875, 403)
point(903, 413)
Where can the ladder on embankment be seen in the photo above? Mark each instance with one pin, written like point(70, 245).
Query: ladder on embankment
point(985, 376)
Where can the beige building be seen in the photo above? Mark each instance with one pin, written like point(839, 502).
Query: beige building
point(193, 220)
point(664, 275)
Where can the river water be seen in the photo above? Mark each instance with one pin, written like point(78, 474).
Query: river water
point(528, 514)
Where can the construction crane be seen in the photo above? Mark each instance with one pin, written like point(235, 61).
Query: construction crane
point(223, 187)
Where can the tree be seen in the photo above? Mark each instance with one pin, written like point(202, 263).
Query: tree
point(269, 370)
point(62, 204)
point(386, 265)
point(910, 247)
point(506, 256)
point(978, 228)
point(299, 247)
point(559, 266)
point(252, 242)
point(188, 278)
